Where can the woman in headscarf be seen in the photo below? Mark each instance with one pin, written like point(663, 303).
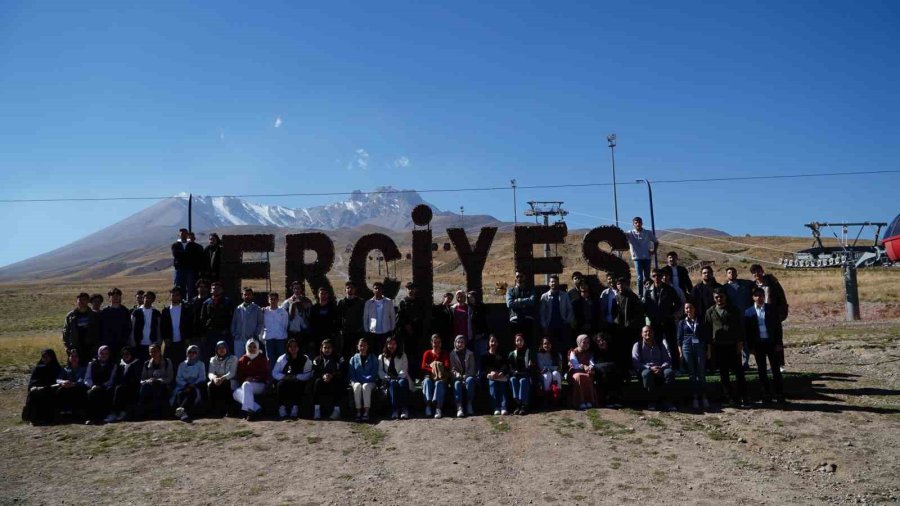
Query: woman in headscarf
point(39, 404)
point(581, 374)
point(127, 383)
point(462, 370)
point(221, 376)
point(393, 370)
point(495, 368)
point(156, 383)
point(253, 376)
point(71, 393)
point(100, 378)
point(362, 374)
point(291, 372)
point(188, 383)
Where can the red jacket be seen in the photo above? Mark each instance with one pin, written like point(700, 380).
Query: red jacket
point(253, 370)
point(430, 357)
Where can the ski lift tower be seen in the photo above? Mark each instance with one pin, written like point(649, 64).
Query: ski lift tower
point(546, 209)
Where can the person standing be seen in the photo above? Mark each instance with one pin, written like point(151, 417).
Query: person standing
point(298, 307)
point(96, 302)
point(247, 322)
point(442, 318)
point(702, 293)
point(215, 317)
point(115, 325)
point(678, 274)
point(324, 320)
point(661, 304)
point(182, 261)
point(413, 320)
point(275, 330)
point(556, 315)
point(522, 304)
point(725, 328)
point(198, 329)
point(574, 292)
point(350, 311)
point(478, 326)
point(212, 258)
point(694, 347)
point(176, 327)
point(138, 299)
point(379, 318)
point(145, 327)
point(82, 328)
point(197, 264)
point(775, 296)
point(586, 310)
point(740, 295)
point(608, 307)
point(630, 320)
point(642, 244)
point(765, 336)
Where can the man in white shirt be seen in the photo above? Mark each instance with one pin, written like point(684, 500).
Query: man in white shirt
point(275, 329)
point(642, 244)
point(379, 318)
point(145, 326)
point(175, 327)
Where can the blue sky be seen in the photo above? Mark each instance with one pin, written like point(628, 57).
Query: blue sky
point(156, 98)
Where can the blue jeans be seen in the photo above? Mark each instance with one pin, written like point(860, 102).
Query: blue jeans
point(398, 393)
point(434, 391)
point(274, 349)
point(520, 387)
point(642, 269)
point(469, 385)
point(498, 394)
point(658, 384)
point(186, 279)
point(695, 363)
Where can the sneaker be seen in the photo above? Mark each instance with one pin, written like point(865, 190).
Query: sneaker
point(469, 410)
point(523, 411)
point(582, 406)
point(428, 411)
point(336, 414)
point(122, 416)
point(496, 412)
point(295, 412)
point(437, 413)
point(404, 415)
point(110, 419)
point(394, 415)
point(459, 413)
point(184, 417)
point(179, 412)
point(317, 412)
point(358, 418)
point(282, 412)
point(504, 412)
point(365, 417)
point(696, 403)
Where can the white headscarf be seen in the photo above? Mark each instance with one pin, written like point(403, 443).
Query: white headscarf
point(247, 348)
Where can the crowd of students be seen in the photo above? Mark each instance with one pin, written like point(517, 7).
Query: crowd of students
point(206, 355)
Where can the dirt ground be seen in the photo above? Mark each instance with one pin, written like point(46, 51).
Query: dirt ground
point(835, 444)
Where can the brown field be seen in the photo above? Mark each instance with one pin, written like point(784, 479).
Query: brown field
point(845, 412)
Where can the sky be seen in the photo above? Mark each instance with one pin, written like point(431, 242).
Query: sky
point(113, 99)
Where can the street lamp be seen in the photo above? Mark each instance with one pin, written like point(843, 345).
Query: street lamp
point(611, 140)
point(652, 221)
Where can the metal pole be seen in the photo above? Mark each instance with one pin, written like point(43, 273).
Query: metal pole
point(547, 249)
point(851, 290)
point(611, 139)
point(515, 206)
point(190, 212)
point(652, 221)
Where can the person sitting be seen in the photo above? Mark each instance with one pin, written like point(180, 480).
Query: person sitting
point(39, 403)
point(694, 349)
point(291, 372)
point(549, 364)
point(581, 373)
point(253, 375)
point(156, 382)
point(189, 383)
point(222, 381)
point(495, 368)
point(127, 384)
point(362, 374)
point(652, 362)
point(435, 367)
point(463, 371)
point(100, 379)
point(521, 370)
point(328, 371)
point(393, 370)
point(71, 392)
point(607, 375)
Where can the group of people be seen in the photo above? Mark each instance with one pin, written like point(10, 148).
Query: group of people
point(206, 354)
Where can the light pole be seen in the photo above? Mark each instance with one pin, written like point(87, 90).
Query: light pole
point(515, 206)
point(611, 140)
point(652, 221)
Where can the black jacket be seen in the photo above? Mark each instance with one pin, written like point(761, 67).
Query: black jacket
point(725, 329)
point(216, 317)
point(684, 278)
point(324, 321)
point(442, 321)
point(82, 332)
point(773, 325)
point(702, 297)
point(181, 257)
point(115, 327)
point(661, 303)
point(137, 326)
point(185, 324)
point(631, 311)
point(587, 315)
point(350, 311)
point(212, 262)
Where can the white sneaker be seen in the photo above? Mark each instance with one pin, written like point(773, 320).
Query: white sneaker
point(428, 411)
point(282, 412)
point(184, 417)
point(179, 412)
point(121, 417)
point(459, 412)
point(336, 414)
point(469, 410)
point(295, 411)
point(504, 412)
point(437, 413)
point(110, 419)
point(317, 412)
point(404, 415)
point(496, 412)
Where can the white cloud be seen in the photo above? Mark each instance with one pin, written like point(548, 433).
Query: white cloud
point(402, 162)
point(360, 160)
point(278, 122)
